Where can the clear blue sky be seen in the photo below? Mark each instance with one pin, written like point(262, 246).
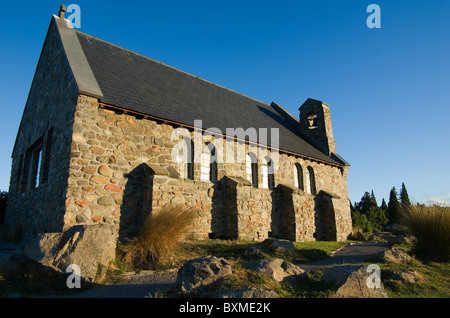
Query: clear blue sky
point(389, 88)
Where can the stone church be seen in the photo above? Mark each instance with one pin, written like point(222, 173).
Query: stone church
point(109, 136)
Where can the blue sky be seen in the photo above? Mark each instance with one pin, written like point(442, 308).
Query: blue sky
point(389, 88)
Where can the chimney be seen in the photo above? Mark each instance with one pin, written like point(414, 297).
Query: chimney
point(62, 11)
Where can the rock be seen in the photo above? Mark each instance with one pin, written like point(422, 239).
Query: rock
point(350, 281)
point(406, 276)
point(247, 293)
point(279, 246)
point(99, 180)
point(276, 268)
point(173, 173)
point(105, 171)
point(400, 239)
point(105, 201)
point(393, 255)
point(91, 247)
point(202, 274)
point(253, 251)
point(40, 248)
point(360, 237)
point(378, 237)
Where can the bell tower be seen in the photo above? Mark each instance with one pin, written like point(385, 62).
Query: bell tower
point(315, 124)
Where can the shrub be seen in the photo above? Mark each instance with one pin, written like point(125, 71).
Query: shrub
point(158, 237)
point(431, 227)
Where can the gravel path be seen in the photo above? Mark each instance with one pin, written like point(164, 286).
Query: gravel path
point(350, 254)
point(144, 284)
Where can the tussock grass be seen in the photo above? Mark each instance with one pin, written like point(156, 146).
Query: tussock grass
point(158, 237)
point(431, 227)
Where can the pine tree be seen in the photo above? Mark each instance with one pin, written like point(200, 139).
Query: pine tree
point(372, 195)
point(404, 199)
point(367, 202)
point(393, 207)
point(367, 215)
point(384, 206)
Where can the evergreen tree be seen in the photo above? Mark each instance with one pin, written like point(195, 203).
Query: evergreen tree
point(367, 202)
point(393, 207)
point(372, 195)
point(377, 218)
point(404, 198)
point(367, 215)
point(384, 206)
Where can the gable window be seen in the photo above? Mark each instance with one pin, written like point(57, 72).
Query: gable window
point(208, 169)
point(185, 159)
point(298, 176)
point(251, 164)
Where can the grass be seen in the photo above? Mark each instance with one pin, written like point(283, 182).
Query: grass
point(237, 250)
point(431, 227)
point(436, 280)
point(158, 238)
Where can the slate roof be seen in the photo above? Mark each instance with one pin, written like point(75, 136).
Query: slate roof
point(138, 83)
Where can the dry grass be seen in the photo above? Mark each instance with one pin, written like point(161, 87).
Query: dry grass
point(158, 237)
point(431, 227)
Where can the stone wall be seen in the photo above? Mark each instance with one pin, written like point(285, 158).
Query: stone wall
point(38, 205)
point(247, 211)
point(111, 149)
point(294, 215)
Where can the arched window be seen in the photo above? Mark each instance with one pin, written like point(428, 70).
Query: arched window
point(185, 159)
point(268, 173)
point(311, 179)
point(251, 164)
point(298, 176)
point(209, 163)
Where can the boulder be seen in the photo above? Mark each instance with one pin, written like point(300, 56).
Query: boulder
point(253, 251)
point(406, 276)
point(378, 237)
point(350, 281)
point(247, 293)
point(91, 247)
point(279, 246)
point(393, 255)
point(400, 239)
point(276, 268)
point(360, 237)
point(202, 274)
